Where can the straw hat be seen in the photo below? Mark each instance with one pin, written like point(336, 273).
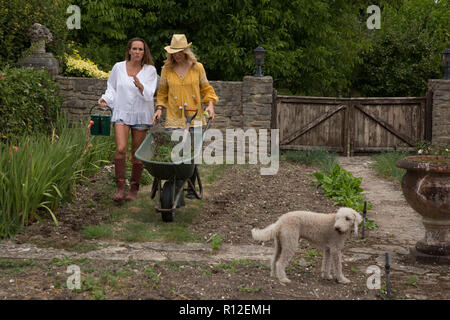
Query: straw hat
point(178, 43)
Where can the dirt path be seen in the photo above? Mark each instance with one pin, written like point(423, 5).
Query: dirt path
point(395, 218)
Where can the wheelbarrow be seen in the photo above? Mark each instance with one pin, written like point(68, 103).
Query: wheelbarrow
point(170, 195)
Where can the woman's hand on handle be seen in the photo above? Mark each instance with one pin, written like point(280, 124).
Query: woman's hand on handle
point(102, 102)
point(210, 110)
point(157, 115)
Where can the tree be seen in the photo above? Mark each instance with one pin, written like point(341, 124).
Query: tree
point(311, 45)
point(406, 51)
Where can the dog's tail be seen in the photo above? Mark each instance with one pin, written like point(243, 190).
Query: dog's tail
point(265, 234)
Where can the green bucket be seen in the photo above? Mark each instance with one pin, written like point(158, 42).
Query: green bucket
point(102, 122)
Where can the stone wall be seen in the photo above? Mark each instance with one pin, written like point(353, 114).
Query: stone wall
point(440, 95)
point(242, 104)
point(80, 95)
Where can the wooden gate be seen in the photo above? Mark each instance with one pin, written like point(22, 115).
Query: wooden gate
point(350, 125)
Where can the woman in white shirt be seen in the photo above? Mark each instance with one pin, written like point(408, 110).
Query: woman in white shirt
point(130, 89)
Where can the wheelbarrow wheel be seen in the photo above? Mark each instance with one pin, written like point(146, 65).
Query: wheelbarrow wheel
point(167, 201)
point(168, 197)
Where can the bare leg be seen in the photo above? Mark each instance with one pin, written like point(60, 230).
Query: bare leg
point(121, 132)
point(137, 137)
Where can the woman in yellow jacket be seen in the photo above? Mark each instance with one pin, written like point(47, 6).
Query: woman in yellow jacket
point(183, 82)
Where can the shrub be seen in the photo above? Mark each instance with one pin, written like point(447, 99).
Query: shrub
point(343, 188)
point(29, 102)
point(76, 66)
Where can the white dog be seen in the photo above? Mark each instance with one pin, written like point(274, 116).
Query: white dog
point(327, 231)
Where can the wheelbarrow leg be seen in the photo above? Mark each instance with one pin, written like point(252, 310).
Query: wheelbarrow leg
point(158, 191)
point(155, 185)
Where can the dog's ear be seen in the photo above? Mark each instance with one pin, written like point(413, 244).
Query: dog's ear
point(358, 220)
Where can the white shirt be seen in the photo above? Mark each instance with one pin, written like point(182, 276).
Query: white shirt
point(127, 102)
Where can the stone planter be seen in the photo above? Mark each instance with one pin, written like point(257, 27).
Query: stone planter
point(39, 59)
point(426, 187)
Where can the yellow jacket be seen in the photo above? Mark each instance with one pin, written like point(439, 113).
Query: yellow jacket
point(194, 89)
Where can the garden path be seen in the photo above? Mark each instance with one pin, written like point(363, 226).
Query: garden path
point(395, 218)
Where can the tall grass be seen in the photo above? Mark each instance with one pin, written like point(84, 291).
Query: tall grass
point(384, 165)
point(38, 172)
point(322, 159)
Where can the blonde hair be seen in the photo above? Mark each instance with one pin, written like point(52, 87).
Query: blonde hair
point(170, 61)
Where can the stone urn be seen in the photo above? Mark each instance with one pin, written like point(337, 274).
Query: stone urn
point(426, 187)
point(39, 58)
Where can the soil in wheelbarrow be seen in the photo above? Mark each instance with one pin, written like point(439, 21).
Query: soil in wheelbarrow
point(162, 147)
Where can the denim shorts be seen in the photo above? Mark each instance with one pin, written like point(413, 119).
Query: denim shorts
point(135, 126)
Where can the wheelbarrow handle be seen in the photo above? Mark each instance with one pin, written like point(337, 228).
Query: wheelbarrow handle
point(208, 124)
point(189, 118)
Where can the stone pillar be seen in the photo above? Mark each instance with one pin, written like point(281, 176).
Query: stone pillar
point(440, 91)
point(257, 98)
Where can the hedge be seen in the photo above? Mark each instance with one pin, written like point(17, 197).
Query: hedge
point(29, 102)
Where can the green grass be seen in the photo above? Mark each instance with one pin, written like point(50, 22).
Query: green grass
point(138, 221)
point(216, 242)
point(384, 165)
point(412, 281)
point(311, 254)
point(153, 277)
point(248, 289)
point(103, 231)
point(322, 159)
point(16, 266)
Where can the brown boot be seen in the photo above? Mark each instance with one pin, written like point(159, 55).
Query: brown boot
point(136, 173)
point(119, 167)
